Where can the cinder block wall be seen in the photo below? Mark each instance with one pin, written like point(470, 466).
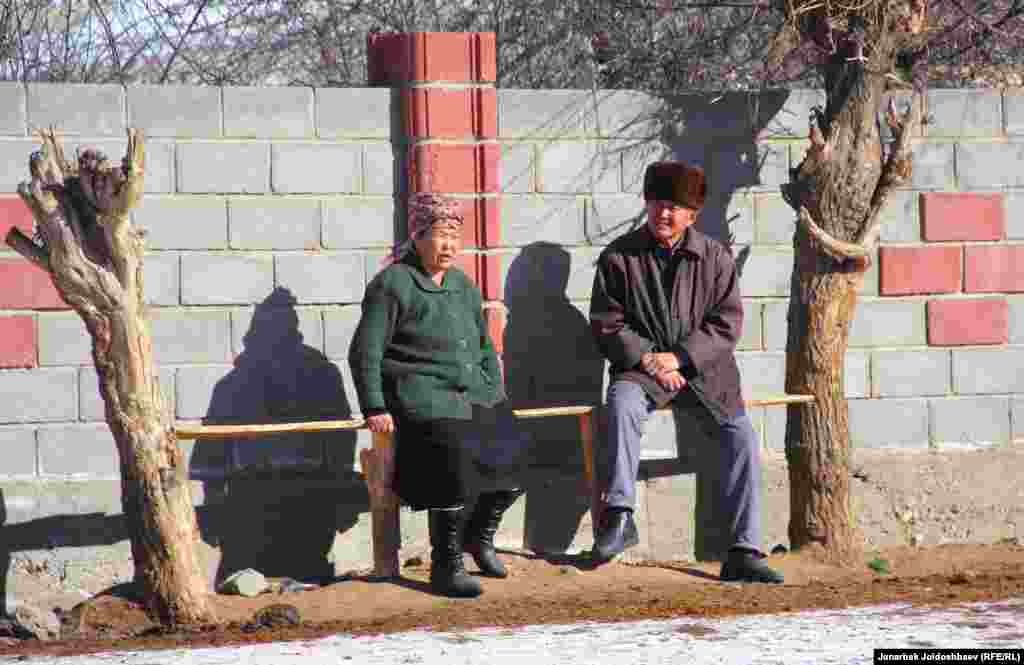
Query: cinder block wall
point(269, 210)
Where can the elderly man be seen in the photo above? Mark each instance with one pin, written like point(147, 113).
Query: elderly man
point(666, 313)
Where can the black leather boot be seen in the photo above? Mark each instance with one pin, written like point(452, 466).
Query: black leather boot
point(742, 565)
point(447, 573)
point(478, 539)
point(616, 533)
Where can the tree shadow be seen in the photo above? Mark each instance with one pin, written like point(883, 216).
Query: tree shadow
point(550, 359)
point(274, 503)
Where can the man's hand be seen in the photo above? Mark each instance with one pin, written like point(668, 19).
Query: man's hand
point(671, 381)
point(381, 423)
point(659, 363)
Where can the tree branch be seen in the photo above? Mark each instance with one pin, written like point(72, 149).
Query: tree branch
point(23, 245)
point(837, 249)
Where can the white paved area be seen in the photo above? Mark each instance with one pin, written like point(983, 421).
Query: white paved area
point(820, 637)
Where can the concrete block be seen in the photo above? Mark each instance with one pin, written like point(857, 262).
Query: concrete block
point(739, 220)
point(888, 423)
point(766, 272)
point(278, 112)
point(176, 111)
point(191, 336)
point(223, 168)
point(933, 166)
point(984, 371)
point(14, 163)
point(899, 217)
point(90, 402)
point(856, 379)
point(565, 167)
point(762, 373)
point(339, 326)
point(38, 395)
point(225, 279)
point(764, 166)
point(964, 113)
point(94, 109)
point(518, 167)
point(608, 217)
point(19, 446)
point(355, 112)
point(969, 421)
point(582, 266)
point(1017, 419)
point(774, 220)
point(888, 323)
point(380, 162)
point(321, 278)
point(629, 114)
point(1013, 107)
point(751, 338)
point(184, 222)
point(911, 372)
point(163, 279)
point(1016, 331)
point(63, 339)
point(637, 155)
point(77, 450)
point(13, 109)
point(527, 220)
point(373, 263)
point(300, 168)
point(351, 222)
point(273, 223)
point(792, 118)
point(194, 388)
point(776, 325)
point(869, 286)
point(1014, 202)
point(551, 114)
point(989, 165)
point(274, 323)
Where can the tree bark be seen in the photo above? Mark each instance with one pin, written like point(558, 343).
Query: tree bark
point(94, 255)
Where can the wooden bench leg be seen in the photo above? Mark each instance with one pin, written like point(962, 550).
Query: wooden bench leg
point(587, 440)
point(378, 467)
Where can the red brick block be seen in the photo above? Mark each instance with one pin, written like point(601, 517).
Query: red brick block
point(14, 213)
point(490, 275)
point(482, 215)
point(24, 286)
point(912, 270)
point(495, 319)
point(973, 321)
point(394, 58)
point(994, 268)
point(469, 263)
point(442, 167)
point(451, 114)
point(962, 216)
point(17, 341)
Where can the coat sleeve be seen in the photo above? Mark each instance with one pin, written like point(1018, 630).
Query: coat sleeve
point(620, 344)
point(719, 330)
point(372, 337)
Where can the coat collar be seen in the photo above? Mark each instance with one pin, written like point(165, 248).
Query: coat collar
point(451, 281)
point(693, 241)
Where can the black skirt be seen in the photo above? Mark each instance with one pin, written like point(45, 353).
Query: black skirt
point(437, 460)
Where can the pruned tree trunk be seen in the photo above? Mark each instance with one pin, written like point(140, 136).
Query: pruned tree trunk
point(86, 242)
point(838, 191)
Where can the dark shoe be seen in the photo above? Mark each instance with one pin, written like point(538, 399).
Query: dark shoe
point(746, 566)
point(478, 538)
point(447, 573)
point(616, 533)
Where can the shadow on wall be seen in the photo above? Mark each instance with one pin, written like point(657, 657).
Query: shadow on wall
point(274, 503)
point(550, 359)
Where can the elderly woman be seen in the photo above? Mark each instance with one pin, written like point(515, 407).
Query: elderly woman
point(425, 367)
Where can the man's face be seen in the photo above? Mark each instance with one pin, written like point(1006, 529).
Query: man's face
point(667, 221)
point(439, 247)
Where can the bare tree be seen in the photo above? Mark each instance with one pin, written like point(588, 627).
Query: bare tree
point(86, 242)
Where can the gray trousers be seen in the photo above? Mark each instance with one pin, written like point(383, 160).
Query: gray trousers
point(738, 463)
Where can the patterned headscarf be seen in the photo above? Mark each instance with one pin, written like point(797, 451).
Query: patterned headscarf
point(425, 210)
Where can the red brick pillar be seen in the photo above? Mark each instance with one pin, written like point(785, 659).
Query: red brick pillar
point(449, 112)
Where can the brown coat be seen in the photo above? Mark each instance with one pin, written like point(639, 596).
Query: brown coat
point(630, 315)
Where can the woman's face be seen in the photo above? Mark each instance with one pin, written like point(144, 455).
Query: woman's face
point(439, 247)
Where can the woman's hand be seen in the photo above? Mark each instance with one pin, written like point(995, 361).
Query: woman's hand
point(382, 423)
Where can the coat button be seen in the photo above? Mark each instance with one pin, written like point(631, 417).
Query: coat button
point(463, 343)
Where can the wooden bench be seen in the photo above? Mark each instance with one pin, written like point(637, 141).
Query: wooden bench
point(377, 462)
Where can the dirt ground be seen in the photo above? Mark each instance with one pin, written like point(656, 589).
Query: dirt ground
point(557, 590)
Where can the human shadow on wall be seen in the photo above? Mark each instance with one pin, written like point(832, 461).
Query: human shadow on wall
point(274, 503)
point(550, 359)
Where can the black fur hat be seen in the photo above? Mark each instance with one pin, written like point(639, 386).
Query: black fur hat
point(677, 182)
